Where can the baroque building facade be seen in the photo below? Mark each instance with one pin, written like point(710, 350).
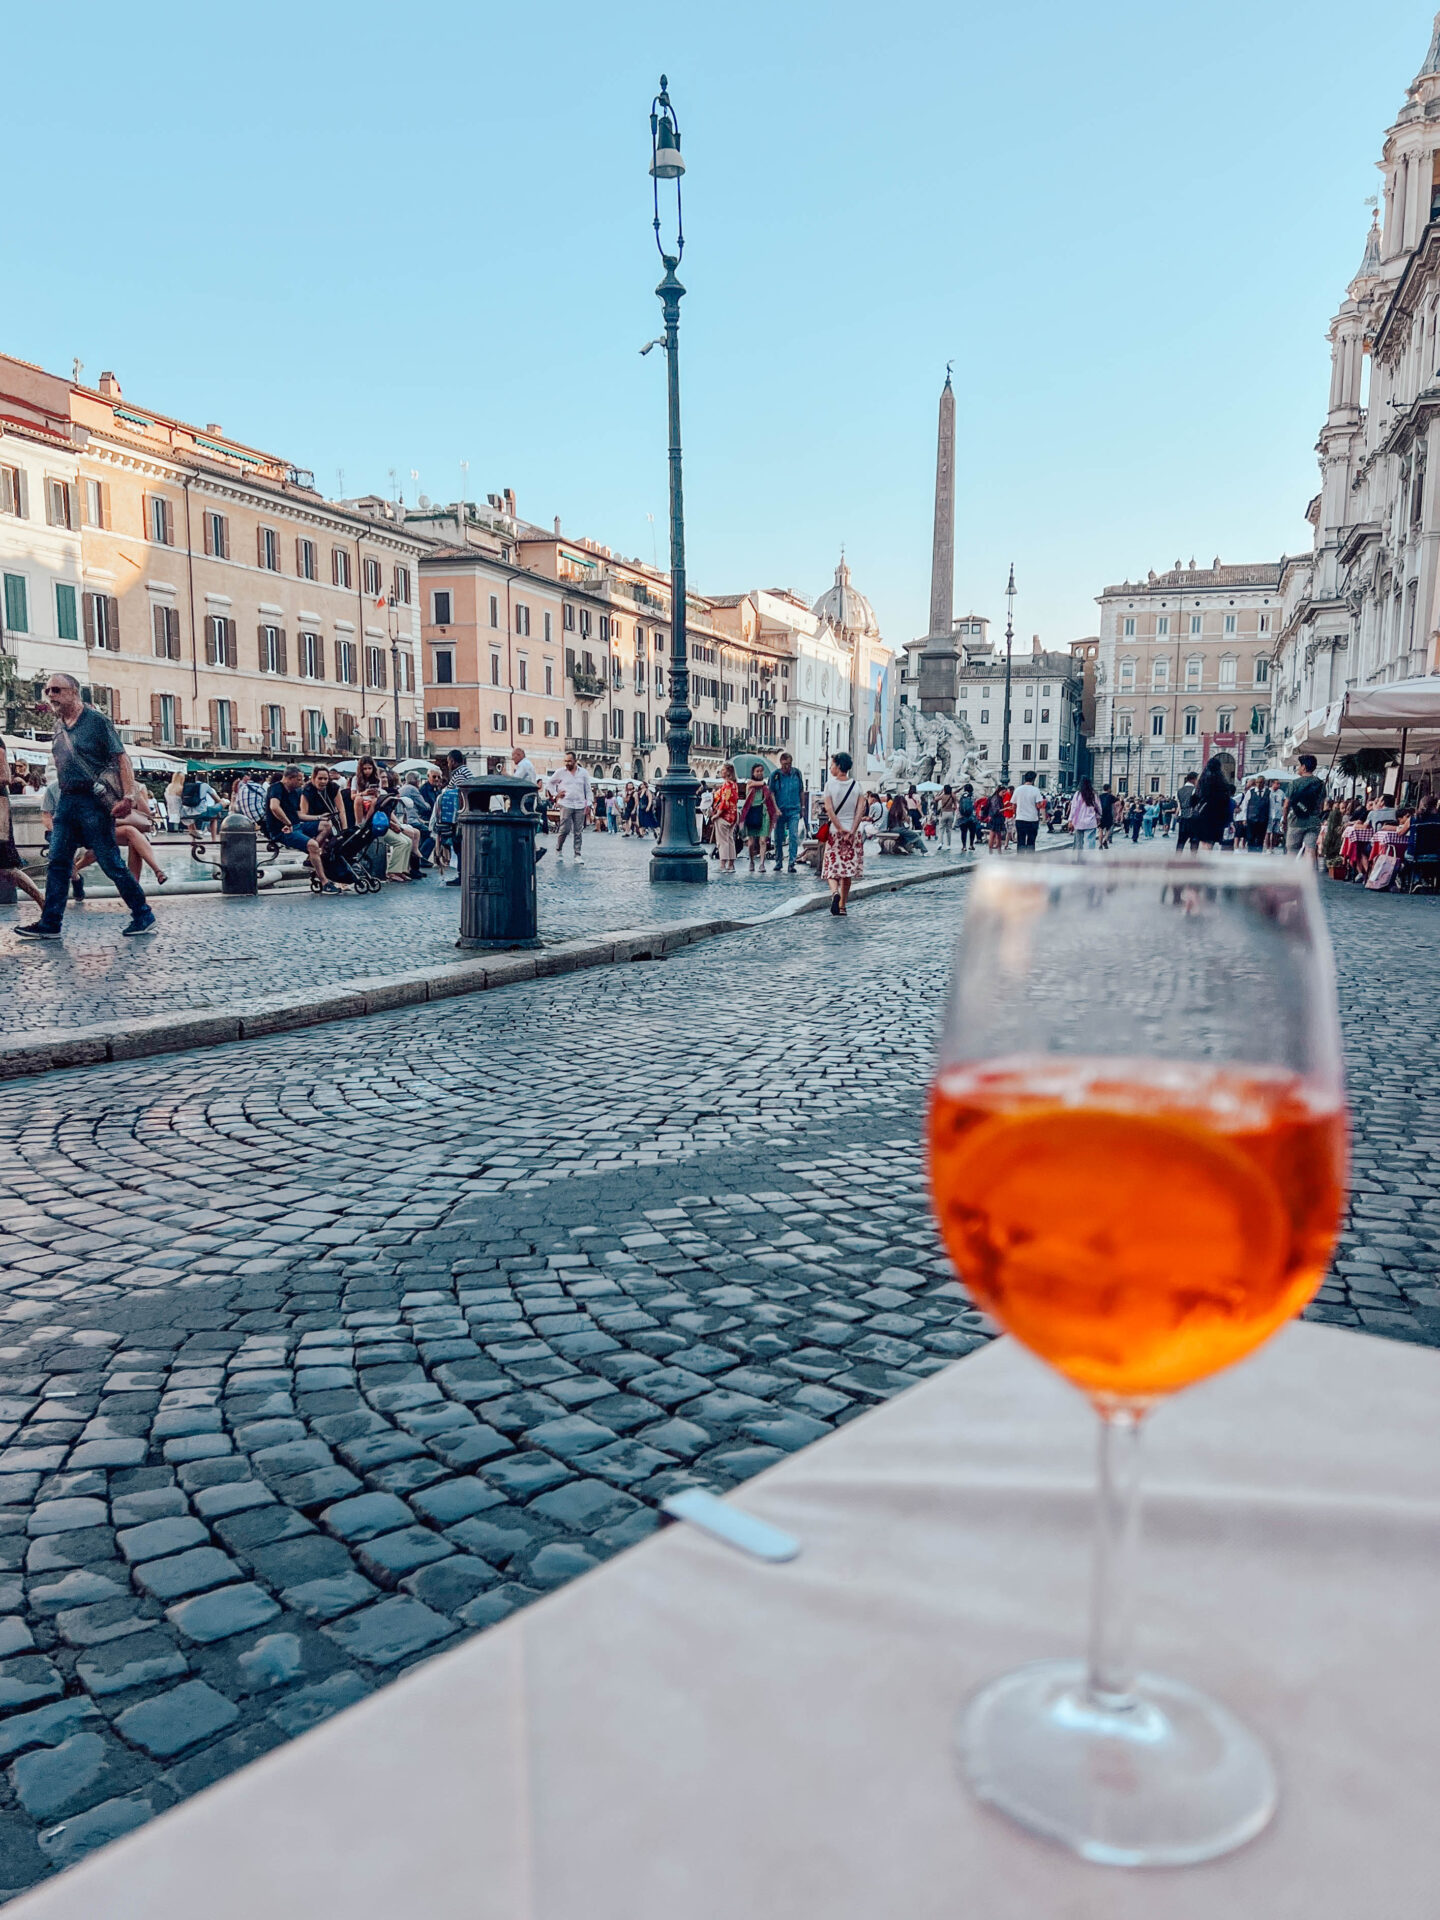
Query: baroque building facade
point(1363, 606)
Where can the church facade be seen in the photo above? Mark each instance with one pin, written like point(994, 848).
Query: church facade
point(1363, 606)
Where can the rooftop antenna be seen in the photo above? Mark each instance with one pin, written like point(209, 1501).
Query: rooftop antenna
point(654, 551)
point(77, 367)
point(464, 485)
point(395, 489)
point(340, 479)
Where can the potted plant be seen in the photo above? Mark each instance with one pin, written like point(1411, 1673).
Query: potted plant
point(1330, 838)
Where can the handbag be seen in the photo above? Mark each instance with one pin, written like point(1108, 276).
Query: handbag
point(823, 831)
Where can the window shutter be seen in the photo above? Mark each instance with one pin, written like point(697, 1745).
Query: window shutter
point(49, 503)
point(104, 503)
point(281, 642)
point(174, 632)
point(155, 716)
point(89, 602)
point(214, 723)
point(157, 627)
point(208, 520)
point(72, 505)
point(264, 652)
point(169, 513)
point(319, 656)
point(112, 622)
point(23, 509)
point(146, 524)
point(232, 645)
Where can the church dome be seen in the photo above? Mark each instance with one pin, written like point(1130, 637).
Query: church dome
point(847, 611)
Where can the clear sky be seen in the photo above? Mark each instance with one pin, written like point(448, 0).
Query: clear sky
point(377, 237)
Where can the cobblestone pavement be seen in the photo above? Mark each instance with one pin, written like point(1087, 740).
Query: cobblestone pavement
point(211, 952)
point(325, 1350)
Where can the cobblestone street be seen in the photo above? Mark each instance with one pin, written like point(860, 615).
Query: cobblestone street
point(324, 1350)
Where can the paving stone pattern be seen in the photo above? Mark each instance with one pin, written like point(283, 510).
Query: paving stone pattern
point(324, 1351)
point(210, 952)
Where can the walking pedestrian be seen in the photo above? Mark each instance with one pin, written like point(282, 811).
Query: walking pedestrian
point(96, 781)
point(1107, 816)
point(757, 811)
point(1214, 805)
point(1084, 820)
point(1150, 818)
point(1134, 813)
point(1304, 810)
point(1027, 814)
point(571, 787)
point(447, 808)
point(947, 812)
point(724, 814)
point(844, 860)
point(1186, 801)
point(1257, 816)
point(965, 814)
point(174, 791)
point(787, 790)
point(1275, 831)
point(995, 820)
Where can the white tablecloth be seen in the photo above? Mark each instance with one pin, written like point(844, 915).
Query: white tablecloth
point(687, 1734)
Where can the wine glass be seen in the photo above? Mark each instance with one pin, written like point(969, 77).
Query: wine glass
point(1137, 1161)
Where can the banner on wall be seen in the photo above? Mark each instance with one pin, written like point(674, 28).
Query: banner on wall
point(878, 717)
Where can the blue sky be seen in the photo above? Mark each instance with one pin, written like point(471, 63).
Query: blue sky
point(377, 237)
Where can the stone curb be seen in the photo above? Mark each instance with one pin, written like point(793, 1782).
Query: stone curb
point(24, 1054)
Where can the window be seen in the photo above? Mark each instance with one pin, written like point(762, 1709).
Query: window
point(1127, 673)
point(13, 492)
point(1162, 627)
point(1159, 675)
point(59, 504)
point(569, 619)
point(400, 587)
point(1192, 723)
point(97, 504)
point(440, 607)
point(963, 716)
point(306, 563)
point(272, 651)
point(216, 530)
point(1044, 716)
point(497, 723)
point(222, 723)
point(494, 669)
point(522, 619)
point(1227, 670)
point(1194, 672)
point(377, 733)
point(102, 622)
point(17, 604)
point(159, 520)
point(1129, 629)
point(1263, 624)
point(165, 625)
point(1229, 623)
point(375, 666)
point(404, 671)
point(312, 657)
point(312, 730)
point(1044, 749)
point(268, 547)
point(1259, 719)
point(1195, 623)
point(1157, 724)
point(67, 618)
point(443, 720)
point(373, 578)
point(984, 716)
point(550, 678)
point(1225, 720)
point(1125, 725)
point(1262, 672)
point(339, 567)
point(345, 662)
point(1025, 751)
point(585, 622)
point(220, 641)
point(524, 670)
point(494, 610)
point(552, 729)
point(444, 675)
point(549, 626)
point(524, 724)
point(163, 718)
point(272, 723)
point(1029, 715)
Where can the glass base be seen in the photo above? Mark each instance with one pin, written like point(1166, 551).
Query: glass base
point(1166, 1780)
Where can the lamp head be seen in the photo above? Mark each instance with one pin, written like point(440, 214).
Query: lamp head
point(666, 163)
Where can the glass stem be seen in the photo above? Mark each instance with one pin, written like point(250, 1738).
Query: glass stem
point(1111, 1673)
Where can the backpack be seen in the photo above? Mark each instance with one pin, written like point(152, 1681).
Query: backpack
point(190, 792)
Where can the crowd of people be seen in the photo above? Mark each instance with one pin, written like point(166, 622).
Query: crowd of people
point(1209, 810)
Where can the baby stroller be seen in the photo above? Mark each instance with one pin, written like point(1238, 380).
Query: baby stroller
point(346, 856)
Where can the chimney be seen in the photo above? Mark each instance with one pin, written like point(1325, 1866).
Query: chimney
point(557, 526)
point(510, 502)
point(109, 386)
point(1035, 644)
point(214, 426)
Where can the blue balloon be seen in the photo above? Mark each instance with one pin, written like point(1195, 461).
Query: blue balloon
point(380, 822)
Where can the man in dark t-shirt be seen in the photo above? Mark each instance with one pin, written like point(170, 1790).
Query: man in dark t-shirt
point(1304, 809)
point(284, 822)
point(95, 778)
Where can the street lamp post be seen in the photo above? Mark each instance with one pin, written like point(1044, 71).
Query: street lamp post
point(393, 622)
point(678, 855)
point(1009, 644)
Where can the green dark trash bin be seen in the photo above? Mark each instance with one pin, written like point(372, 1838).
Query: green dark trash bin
point(496, 827)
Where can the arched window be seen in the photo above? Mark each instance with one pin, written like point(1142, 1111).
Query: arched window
point(1227, 670)
point(1195, 671)
point(1159, 674)
point(1127, 673)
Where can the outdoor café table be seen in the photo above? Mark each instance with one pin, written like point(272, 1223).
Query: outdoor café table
point(689, 1734)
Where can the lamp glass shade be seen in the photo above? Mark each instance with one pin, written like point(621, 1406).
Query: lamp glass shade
point(667, 164)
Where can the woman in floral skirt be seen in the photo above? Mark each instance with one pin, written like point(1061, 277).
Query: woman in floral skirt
point(844, 860)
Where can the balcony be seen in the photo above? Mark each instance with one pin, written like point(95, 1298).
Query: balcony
point(589, 686)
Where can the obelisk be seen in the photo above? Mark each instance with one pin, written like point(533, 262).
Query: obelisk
point(940, 660)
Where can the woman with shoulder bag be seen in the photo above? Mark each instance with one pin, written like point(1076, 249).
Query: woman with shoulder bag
point(844, 860)
point(757, 812)
point(724, 812)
